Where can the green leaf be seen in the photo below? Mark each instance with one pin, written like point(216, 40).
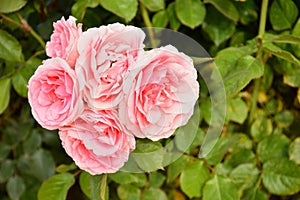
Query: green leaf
point(90, 185)
point(156, 179)
point(137, 179)
point(294, 150)
point(160, 19)
point(281, 176)
point(123, 8)
point(240, 157)
point(244, 176)
point(175, 168)
point(284, 119)
point(288, 39)
point(4, 93)
point(220, 188)
point(237, 110)
point(292, 79)
point(283, 14)
point(80, 6)
point(280, 53)
point(10, 49)
point(247, 11)
point(65, 168)
point(193, 178)
point(21, 77)
point(261, 128)
point(217, 32)
point(273, 146)
point(154, 5)
point(7, 169)
point(148, 155)
point(7, 6)
point(56, 187)
point(296, 32)
point(174, 21)
point(128, 192)
point(226, 7)
point(33, 142)
point(190, 12)
point(150, 193)
point(42, 164)
point(4, 151)
point(15, 187)
point(254, 194)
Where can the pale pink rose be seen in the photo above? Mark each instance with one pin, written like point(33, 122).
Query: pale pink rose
point(160, 93)
point(98, 142)
point(53, 94)
point(63, 41)
point(105, 55)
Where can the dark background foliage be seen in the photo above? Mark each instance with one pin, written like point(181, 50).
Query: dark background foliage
point(256, 47)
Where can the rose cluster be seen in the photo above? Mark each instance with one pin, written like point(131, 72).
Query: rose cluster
point(101, 89)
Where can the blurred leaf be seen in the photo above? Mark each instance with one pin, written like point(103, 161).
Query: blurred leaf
point(65, 168)
point(240, 157)
point(294, 151)
point(261, 128)
point(156, 179)
point(149, 155)
point(217, 32)
point(15, 187)
point(219, 150)
point(193, 178)
point(137, 179)
point(56, 187)
point(80, 6)
point(190, 12)
point(296, 32)
point(128, 192)
point(175, 168)
point(90, 185)
point(10, 49)
point(174, 21)
point(244, 176)
point(281, 176)
point(283, 14)
point(123, 8)
point(33, 142)
point(4, 93)
point(219, 188)
point(7, 6)
point(7, 169)
point(289, 39)
point(280, 53)
point(151, 192)
point(237, 110)
point(298, 95)
point(254, 194)
point(273, 146)
point(267, 79)
point(4, 151)
point(247, 11)
point(21, 77)
point(226, 7)
point(160, 19)
point(154, 5)
point(284, 119)
point(292, 79)
point(42, 164)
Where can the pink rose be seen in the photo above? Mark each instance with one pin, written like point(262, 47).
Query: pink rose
point(160, 93)
point(97, 142)
point(64, 39)
point(105, 55)
point(53, 94)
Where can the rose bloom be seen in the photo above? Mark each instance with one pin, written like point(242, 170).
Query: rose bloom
point(160, 93)
point(63, 41)
point(106, 54)
point(53, 94)
point(97, 142)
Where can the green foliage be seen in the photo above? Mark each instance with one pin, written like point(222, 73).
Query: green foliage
point(257, 155)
